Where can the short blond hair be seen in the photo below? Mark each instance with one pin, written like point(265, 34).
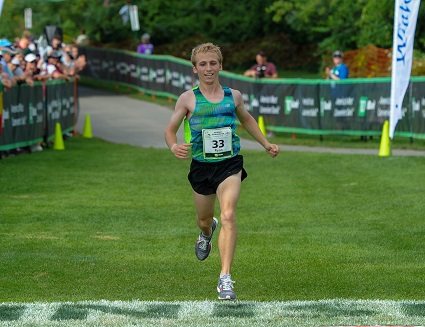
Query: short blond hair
point(204, 48)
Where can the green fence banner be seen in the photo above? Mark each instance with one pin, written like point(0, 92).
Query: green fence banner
point(347, 107)
point(29, 113)
point(60, 107)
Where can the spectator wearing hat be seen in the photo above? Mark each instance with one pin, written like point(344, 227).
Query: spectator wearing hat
point(146, 47)
point(53, 69)
point(7, 52)
point(19, 76)
point(339, 70)
point(5, 79)
point(7, 55)
point(31, 68)
point(15, 67)
point(5, 42)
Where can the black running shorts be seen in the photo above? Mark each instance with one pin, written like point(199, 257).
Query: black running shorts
point(205, 177)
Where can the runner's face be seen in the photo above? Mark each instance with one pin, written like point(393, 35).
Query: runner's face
point(207, 67)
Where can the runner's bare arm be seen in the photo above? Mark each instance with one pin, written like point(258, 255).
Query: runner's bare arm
point(181, 109)
point(249, 123)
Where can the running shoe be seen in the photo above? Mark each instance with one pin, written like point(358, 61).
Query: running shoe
point(203, 244)
point(225, 288)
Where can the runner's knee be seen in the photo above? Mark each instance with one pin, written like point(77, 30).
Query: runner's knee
point(228, 217)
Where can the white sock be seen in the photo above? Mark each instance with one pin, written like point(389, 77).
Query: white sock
point(205, 236)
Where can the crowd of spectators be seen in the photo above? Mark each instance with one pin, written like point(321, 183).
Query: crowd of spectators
point(25, 60)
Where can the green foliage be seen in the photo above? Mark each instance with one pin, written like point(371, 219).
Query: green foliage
point(376, 24)
point(279, 9)
point(312, 28)
point(339, 24)
point(420, 28)
point(330, 23)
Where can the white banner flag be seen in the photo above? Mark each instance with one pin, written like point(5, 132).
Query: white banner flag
point(134, 18)
point(405, 16)
point(1, 6)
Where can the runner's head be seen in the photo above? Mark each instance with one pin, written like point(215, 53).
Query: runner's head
point(204, 48)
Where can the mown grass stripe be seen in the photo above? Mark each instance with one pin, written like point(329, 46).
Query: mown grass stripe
point(146, 313)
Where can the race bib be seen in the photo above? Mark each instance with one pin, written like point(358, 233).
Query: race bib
point(217, 143)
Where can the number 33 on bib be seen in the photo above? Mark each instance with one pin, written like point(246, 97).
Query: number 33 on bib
point(217, 143)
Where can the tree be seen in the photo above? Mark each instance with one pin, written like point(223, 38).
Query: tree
point(323, 25)
point(340, 24)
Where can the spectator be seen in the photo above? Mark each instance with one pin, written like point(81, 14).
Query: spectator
point(25, 40)
point(82, 39)
point(78, 61)
point(340, 70)
point(59, 46)
point(3, 64)
point(5, 43)
point(262, 68)
point(56, 44)
point(32, 47)
point(7, 55)
point(42, 45)
point(31, 68)
point(53, 69)
point(146, 47)
point(22, 61)
point(5, 79)
point(18, 73)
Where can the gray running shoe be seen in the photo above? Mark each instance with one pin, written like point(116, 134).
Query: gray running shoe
point(225, 288)
point(203, 244)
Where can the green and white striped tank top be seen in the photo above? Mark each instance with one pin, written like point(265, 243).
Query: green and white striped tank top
point(213, 128)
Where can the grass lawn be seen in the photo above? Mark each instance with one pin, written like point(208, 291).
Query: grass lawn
point(115, 222)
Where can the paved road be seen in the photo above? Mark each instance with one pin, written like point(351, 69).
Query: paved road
point(120, 119)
